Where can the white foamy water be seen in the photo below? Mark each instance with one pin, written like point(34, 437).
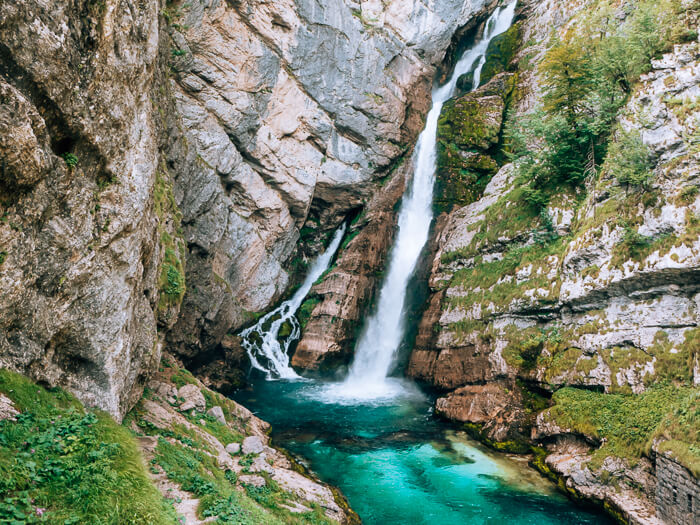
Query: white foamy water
point(261, 341)
point(384, 330)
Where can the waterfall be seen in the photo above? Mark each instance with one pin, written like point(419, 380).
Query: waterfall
point(261, 341)
point(384, 330)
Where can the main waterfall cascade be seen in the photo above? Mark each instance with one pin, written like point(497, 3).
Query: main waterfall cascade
point(261, 341)
point(384, 330)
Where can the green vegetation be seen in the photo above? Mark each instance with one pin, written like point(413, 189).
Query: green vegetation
point(629, 159)
point(630, 423)
point(62, 464)
point(171, 277)
point(305, 311)
point(500, 53)
point(70, 160)
point(588, 76)
point(3, 256)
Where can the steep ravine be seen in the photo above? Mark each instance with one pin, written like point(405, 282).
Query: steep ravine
point(162, 159)
point(170, 168)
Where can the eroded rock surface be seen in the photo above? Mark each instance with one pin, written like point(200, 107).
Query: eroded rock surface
point(159, 162)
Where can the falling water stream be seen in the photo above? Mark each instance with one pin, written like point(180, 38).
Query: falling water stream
point(384, 330)
point(375, 436)
point(262, 342)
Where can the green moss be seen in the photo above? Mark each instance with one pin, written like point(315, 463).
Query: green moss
point(509, 446)
point(461, 177)
point(78, 465)
point(628, 423)
point(305, 311)
point(464, 122)
point(500, 53)
point(171, 277)
point(492, 282)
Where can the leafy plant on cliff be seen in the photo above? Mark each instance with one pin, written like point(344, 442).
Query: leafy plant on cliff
point(587, 76)
point(629, 159)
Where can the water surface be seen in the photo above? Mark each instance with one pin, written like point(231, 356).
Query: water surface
point(398, 465)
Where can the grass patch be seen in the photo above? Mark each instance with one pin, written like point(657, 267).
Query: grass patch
point(60, 463)
point(630, 423)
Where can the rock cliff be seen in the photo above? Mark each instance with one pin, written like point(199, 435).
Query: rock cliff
point(160, 160)
point(584, 306)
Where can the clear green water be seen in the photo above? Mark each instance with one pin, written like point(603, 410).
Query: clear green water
point(398, 465)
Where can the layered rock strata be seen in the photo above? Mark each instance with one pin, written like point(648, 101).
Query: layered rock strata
point(610, 306)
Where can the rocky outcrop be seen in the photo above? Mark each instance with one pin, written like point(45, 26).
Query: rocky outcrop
point(79, 257)
point(228, 437)
point(336, 305)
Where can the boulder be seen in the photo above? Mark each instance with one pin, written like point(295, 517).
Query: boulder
point(252, 445)
point(233, 448)
point(193, 398)
point(217, 413)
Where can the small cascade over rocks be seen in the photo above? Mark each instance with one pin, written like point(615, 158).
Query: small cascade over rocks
point(384, 330)
point(262, 342)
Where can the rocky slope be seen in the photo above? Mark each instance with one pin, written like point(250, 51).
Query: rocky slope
point(600, 296)
point(184, 454)
point(160, 160)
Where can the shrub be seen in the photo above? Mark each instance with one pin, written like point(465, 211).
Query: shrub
point(629, 159)
point(70, 160)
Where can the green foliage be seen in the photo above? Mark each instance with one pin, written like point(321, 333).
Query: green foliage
point(175, 286)
point(629, 159)
point(62, 464)
point(588, 75)
point(171, 278)
point(3, 256)
point(629, 423)
point(305, 311)
point(70, 160)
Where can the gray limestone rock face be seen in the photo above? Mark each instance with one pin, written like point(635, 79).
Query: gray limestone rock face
point(78, 236)
point(286, 107)
point(233, 448)
point(255, 112)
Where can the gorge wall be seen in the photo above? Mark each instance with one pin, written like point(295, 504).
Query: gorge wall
point(160, 160)
point(568, 326)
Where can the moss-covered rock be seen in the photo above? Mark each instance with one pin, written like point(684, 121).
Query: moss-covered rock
point(471, 121)
point(500, 53)
point(462, 176)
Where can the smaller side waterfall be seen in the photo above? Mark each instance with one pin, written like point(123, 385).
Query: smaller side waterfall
point(261, 340)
